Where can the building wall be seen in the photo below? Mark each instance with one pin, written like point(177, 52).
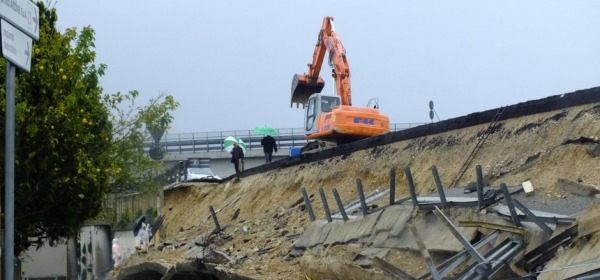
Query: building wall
point(92, 262)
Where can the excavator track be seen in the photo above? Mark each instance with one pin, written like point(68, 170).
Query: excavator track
point(317, 146)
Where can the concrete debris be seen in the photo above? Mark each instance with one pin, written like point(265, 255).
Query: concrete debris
point(527, 187)
point(577, 188)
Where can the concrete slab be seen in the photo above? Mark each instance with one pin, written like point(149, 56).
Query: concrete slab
point(380, 238)
point(337, 233)
point(391, 216)
point(367, 224)
point(350, 230)
point(401, 223)
point(315, 233)
point(435, 234)
point(195, 253)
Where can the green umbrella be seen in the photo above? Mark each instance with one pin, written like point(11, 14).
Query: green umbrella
point(228, 143)
point(265, 130)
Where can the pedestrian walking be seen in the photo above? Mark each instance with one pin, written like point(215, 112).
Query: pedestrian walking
point(237, 158)
point(269, 145)
point(116, 254)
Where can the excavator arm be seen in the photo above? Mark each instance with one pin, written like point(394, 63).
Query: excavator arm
point(304, 85)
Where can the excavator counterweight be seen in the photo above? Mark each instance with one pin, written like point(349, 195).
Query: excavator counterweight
point(303, 88)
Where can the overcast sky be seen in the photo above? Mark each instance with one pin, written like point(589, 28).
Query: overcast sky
point(230, 63)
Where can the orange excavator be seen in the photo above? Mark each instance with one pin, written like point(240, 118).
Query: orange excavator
point(332, 119)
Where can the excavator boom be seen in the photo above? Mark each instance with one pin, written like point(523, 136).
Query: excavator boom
point(304, 85)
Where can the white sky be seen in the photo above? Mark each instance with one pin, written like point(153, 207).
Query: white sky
point(230, 63)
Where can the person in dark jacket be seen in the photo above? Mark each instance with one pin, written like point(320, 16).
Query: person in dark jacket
point(269, 145)
point(237, 158)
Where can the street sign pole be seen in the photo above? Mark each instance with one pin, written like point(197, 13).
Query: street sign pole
point(19, 24)
point(9, 173)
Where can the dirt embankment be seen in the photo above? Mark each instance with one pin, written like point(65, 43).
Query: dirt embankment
point(261, 212)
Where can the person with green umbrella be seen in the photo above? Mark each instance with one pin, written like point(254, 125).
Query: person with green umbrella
point(269, 145)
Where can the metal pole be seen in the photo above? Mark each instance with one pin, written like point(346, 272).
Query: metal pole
point(392, 186)
point(472, 252)
point(325, 205)
point(311, 214)
point(214, 216)
point(479, 186)
point(338, 200)
point(432, 269)
point(532, 217)
point(9, 175)
point(511, 205)
point(361, 196)
point(411, 186)
point(439, 186)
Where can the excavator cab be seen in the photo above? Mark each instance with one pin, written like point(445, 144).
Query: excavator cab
point(318, 104)
point(303, 87)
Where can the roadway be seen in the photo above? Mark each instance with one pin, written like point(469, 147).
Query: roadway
point(220, 160)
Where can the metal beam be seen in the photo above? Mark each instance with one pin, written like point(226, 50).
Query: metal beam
point(474, 254)
point(411, 187)
point(479, 172)
point(340, 204)
point(511, 206)
point(453, 262)
point(309, 209)
point(432, 269)
point(439, 186)
point(392, 186)
point(388, 267)
point(325, 205)
point(533, 217)
point(482, 224)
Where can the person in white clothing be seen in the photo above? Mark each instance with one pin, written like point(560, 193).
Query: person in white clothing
point(116, 254)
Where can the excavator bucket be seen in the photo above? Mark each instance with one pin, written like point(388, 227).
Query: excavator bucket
point(303, 88)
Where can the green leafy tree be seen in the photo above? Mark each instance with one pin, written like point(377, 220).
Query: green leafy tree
point(71, 149)
point(132, 128)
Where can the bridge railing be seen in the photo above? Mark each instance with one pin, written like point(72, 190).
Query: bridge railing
point(213, 141)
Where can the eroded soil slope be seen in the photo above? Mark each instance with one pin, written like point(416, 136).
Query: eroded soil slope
point(542, 148)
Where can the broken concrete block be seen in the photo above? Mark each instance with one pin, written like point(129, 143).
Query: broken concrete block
point(577, 188)
point(588, 222)
point(527, 187)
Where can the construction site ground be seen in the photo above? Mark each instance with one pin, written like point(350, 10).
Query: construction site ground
point(263, 213)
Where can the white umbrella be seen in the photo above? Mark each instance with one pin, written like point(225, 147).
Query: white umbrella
point(228, 143)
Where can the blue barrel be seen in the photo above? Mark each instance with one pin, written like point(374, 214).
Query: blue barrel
point(294, 151)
